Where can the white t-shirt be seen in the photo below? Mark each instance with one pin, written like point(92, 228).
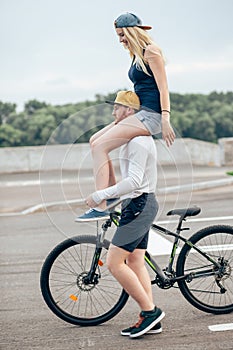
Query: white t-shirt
point(138, 164)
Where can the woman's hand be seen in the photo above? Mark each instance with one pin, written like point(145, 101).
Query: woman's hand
point(167, 131)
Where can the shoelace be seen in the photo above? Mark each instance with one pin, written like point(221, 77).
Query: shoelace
point(139, 322)
point(89, 211)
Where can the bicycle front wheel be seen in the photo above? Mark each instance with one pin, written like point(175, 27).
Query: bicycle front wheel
point(209, 288)
point(64, 290)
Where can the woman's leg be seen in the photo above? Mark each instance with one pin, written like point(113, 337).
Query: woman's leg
point(113, 138)
point(137, 263)
point(94, 138)
point(128, 278)
point(102, 131)
point(112, 177)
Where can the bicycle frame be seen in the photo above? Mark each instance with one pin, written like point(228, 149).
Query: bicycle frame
point(164, 279)
point(167, 279)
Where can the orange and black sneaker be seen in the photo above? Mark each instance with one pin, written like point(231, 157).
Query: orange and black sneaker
point(148, 320)
point(155, 330)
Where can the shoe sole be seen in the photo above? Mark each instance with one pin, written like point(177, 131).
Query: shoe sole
point(92, 219)
point(151, 331)
point(157, 331)
point(148, 327)
point(125, 334)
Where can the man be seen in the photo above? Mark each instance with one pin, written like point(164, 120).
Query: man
point(138, 160)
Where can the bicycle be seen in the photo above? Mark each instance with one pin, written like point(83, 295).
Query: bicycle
point(78, 288)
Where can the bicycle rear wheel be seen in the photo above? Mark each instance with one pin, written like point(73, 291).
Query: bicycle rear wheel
point(64, 290)
point(210, 292)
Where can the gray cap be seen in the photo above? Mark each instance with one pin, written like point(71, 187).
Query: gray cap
point(129, 20)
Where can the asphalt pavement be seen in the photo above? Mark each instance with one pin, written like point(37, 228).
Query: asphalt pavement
point(37, 211)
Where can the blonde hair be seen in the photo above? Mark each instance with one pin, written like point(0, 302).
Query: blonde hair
point(138, 39)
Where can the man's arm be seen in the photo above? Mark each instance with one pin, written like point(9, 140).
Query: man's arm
point(137, 157)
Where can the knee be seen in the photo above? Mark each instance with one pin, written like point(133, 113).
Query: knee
point(94, 142)
point(113, 265)
point(97, 146)
point(91, 140)
point(110, 264)
point(133, 263)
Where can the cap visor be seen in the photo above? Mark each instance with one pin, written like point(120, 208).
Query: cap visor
point(145, 27)
point(110, 102)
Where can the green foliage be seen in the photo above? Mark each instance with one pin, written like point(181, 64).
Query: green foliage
point(5, 110)
point(9, 136)
point(203, 117)
point(40, 127)
point(33, 105)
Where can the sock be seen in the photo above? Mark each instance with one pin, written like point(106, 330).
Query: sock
point(97, 209)
point(151, 311)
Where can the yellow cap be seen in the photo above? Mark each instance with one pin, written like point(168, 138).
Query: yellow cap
point(126, 98)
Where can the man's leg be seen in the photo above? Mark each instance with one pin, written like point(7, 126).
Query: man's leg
point(128, 278)
point(137, 263)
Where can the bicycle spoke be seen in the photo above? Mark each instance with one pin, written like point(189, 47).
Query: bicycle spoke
point(68, 288)
point(209, 286)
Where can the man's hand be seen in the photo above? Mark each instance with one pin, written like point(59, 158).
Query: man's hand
point(89, 201)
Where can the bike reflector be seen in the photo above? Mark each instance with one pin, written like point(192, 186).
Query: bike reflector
point(73, 297)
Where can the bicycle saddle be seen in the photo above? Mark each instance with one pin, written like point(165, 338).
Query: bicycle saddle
point(185, 212)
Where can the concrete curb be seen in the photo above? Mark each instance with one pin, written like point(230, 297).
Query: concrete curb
point(196, 186)
point(166, 190)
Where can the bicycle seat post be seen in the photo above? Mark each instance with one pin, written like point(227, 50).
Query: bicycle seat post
point(102, 231)
point(175, 243)
point(179, 226)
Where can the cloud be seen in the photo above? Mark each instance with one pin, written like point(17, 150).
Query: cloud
point(199, 67)
point(57, 81)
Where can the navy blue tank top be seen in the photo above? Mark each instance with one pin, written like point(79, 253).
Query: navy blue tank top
point(145, 87)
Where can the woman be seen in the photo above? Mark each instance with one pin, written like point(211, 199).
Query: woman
point(147, 72)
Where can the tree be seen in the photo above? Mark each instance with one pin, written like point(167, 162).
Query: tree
point(223, 119)
point(203, 128)
point(33, 105)
point(205, 117)
point(5, 110)
point(9, 136)
point(40, 127)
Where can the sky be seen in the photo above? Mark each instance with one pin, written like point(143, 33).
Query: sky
point(67, 51)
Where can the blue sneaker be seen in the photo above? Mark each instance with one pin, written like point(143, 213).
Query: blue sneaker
point(111, 201)
point(93, 215)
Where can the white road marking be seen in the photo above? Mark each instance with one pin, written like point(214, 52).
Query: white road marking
point(213, 248)
point(215, 218)
point(221, 327)
point(43, 206)
point(196, 186)
point(159, 245)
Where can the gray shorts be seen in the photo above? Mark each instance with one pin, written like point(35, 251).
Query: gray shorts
point(136, 218)
point(151, 120)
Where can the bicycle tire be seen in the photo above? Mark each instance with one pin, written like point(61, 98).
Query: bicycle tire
point(66, 295)
point(203, 292)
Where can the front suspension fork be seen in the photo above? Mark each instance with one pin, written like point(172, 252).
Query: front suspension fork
point(92, 277)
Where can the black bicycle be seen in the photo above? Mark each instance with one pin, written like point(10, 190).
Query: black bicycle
point(79, 289)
